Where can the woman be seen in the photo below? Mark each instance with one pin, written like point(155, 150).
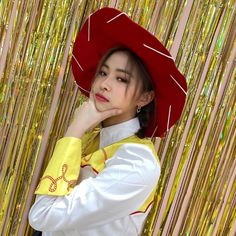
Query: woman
point(103, 173)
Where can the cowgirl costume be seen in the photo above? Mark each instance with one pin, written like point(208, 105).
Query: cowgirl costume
point(104, 183)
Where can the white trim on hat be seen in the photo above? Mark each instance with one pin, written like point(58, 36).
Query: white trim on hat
point(168, 121)
point(163, 54)
point(82, 70)
point(122, 13)
point(77, 62)
point(154, 131)
point(83, 89)
point(178, 84)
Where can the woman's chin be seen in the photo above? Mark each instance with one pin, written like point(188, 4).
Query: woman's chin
point(101, 107)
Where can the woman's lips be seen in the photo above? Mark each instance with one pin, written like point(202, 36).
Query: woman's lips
point(101, 98)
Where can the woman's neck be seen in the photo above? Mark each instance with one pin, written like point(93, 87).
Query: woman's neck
point(116, 120)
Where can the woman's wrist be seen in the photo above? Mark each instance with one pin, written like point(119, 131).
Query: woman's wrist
point(74, 132)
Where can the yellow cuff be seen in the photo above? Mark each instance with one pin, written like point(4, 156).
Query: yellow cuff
point(63, 169)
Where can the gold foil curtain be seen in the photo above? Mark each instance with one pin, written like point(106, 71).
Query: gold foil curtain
point(196, 193)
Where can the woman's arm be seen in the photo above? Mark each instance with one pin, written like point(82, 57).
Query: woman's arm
point(63, 169)
point(120, 189)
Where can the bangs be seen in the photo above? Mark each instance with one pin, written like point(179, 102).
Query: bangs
point(131, 66)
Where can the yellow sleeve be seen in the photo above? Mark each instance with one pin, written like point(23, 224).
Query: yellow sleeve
point(63, 169)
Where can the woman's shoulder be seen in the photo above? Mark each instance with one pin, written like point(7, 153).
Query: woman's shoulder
point(145, 147)
point(137, 158)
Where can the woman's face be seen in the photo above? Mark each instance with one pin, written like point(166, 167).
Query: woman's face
point(111, 82)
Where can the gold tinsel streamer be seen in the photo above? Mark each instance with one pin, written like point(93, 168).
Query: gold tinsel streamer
point(196, 191)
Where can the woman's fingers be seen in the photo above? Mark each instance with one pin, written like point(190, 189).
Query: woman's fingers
point(91, 96)
point(87, 115)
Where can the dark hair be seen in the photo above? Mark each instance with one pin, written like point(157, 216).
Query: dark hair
point(147, 85)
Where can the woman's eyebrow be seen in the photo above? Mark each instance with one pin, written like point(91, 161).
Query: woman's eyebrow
point(119, 70)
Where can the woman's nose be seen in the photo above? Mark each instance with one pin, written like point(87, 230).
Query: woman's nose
point(106, 83)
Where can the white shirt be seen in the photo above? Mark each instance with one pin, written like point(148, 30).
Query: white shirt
point(103, 204)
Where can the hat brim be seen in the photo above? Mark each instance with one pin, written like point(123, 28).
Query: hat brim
point(107, 28)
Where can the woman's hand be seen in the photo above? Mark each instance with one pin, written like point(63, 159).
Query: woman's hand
point(87, 117)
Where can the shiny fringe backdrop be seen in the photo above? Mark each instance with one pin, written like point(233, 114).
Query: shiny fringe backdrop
point(196, 194)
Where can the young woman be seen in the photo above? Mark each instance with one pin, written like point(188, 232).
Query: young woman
point(103, 173)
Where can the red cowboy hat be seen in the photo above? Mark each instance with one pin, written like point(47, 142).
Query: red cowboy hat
point(109, 27)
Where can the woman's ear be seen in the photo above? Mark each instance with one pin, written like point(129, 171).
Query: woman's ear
point(146, 98)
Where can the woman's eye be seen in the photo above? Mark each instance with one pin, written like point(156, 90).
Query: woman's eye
point(102, 73)
point(122, 80)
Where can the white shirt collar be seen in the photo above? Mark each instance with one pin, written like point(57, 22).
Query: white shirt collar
point(114, 133)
